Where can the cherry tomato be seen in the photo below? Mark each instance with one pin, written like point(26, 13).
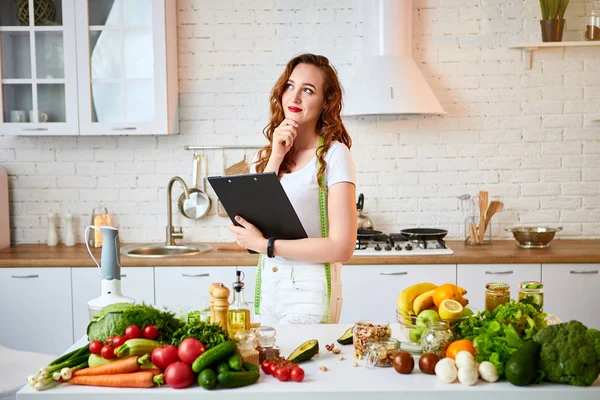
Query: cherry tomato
point(107, 352)
point(118, 340)
point(109, 340)
point(297, 374)
point(266, 367)
point(96, 347)
point(273, 368)
point(150, 332)
point(283, 374)
point(133, 332)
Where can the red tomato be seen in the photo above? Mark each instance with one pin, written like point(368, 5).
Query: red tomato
point(179, 375)
point(162, 357)
point(283, 374)
point(118, 340)
point(109, 340)
point(107, 352)
point(297, 374)
point(273, 368)
point(189, 349)
point(150, 332)
point(133, 332)
point(266, 367)
point(96, 347)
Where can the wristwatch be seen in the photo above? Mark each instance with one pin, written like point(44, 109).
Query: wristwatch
point(271, 247)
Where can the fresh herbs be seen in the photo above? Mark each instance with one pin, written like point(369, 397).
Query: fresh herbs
point(209, 334)
point(497, 335)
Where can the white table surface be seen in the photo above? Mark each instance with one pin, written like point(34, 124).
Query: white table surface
point(341, 382)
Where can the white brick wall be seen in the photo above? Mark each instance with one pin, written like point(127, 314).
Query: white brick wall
point(530, 137)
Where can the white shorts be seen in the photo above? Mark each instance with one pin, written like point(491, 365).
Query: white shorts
point(297, 293)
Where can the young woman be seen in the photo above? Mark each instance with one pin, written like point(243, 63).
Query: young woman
point(298, 281)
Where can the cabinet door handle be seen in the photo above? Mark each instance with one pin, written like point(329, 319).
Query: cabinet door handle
point(498, 272)
point(393, 273)
point(34, 129)
point(25, 276)
point(195, 275)
point(123, 275)
point(584, 272)
point(125, 128)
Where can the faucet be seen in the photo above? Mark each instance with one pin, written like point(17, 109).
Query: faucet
point(172, 233)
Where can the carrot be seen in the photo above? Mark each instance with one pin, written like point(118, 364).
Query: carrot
point(141, 379)
point(125, 366)
point(155, 371)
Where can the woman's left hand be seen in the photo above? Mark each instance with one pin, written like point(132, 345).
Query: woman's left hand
point(248, 236)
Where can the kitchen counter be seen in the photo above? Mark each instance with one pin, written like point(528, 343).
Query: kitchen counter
point(341, 381)
point(229, 254)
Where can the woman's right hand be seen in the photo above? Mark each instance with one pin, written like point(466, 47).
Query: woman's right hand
point(283, 138)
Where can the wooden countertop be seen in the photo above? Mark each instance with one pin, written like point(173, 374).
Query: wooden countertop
point(229, 254)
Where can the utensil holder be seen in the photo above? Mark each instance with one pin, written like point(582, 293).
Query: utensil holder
point(472, 237)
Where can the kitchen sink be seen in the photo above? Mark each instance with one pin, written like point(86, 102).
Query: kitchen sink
point(161, 250)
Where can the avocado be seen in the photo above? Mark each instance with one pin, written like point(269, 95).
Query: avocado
point(521, 367)
point(304, 352)
point(347, 337)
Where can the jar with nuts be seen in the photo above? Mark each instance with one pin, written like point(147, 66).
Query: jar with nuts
point(381, 353)
point(369, 331)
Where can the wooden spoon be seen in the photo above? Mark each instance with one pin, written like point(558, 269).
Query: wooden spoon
point(495, 207)
point(483, 206)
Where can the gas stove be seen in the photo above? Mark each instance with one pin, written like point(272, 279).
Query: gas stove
point(395, 244)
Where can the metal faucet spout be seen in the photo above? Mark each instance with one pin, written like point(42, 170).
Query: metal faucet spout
point(171, 233)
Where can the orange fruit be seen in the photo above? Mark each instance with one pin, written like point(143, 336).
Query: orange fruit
point(458, 346)
point(447, 291)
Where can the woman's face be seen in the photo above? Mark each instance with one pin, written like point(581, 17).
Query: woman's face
point(303, 98)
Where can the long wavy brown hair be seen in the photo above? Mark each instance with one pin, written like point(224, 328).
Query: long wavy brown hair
point(329, 125)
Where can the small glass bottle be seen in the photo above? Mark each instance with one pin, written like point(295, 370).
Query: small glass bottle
point(532, 292)
point(246, 341)
point(238, 315)
point(592, 26)
point(266, 343)
point(436, 338)
point(496, 294)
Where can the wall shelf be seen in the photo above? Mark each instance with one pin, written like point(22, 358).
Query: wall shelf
point(528, 48)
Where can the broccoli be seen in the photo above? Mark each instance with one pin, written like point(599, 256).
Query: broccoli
point(570, 353)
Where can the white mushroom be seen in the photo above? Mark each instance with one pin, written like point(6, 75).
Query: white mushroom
point(468, 375)
point(446, 371)
point(488, 371)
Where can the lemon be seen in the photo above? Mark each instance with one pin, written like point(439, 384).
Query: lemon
point(450, 310)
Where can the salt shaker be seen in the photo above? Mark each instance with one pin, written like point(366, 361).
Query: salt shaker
point(52, 236)
point(69, 233)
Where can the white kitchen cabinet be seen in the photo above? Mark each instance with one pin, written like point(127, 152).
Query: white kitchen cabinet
point(474, 277)
point(571, 292)
point(36, 309)
point(186, 288)
point(370, 292)
point(93, 67)
point(136, 282)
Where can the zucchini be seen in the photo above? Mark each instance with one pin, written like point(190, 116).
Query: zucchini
point(212, 356)
point(347, 337)
point(235, 361)
point(304, 352)
point(136, 347)
point(234, 379)
point(96, 360)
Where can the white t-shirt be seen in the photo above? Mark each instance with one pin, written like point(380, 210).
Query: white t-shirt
point(302, 188)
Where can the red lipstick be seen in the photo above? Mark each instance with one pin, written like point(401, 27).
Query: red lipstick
point(294, 109)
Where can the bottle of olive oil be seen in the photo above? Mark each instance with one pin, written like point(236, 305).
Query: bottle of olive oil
point(238, 315)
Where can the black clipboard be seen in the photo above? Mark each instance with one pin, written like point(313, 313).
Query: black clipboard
point(260, 200)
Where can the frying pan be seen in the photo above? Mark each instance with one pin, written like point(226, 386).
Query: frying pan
point(424, 233)
point(198, 204)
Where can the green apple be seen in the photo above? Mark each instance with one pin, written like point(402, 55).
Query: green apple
point(426, 317)
point(414, 334)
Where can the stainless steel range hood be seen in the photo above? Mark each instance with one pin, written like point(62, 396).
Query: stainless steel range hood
point(387, 79)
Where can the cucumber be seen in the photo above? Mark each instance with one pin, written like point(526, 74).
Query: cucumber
point(223, 367)
point(234, 379)
point(235, 361)
point(304, 352)
point(347, 337)
point(212, 356)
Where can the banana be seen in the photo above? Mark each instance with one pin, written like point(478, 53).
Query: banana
point(462, 290)
point(408, 296)
point(423, 301)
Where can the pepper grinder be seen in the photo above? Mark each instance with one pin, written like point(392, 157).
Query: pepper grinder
point(52, 236)
point(221, 305)
point(211, 300)
point(69, 233)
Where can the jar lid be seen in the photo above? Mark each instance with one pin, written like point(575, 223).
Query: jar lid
point(531, 285)
point(497, 286)
point(245, 339)
point(266, 335)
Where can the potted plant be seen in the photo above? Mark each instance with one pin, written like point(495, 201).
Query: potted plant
point(553, 22)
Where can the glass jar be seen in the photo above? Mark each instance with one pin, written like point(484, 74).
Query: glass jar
point(381, 353)
point(246, 341)
point(266, 343)
point(496, 294)
point(592, 26)
point(368, 331)
point(436, 338)
point(532, 292)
